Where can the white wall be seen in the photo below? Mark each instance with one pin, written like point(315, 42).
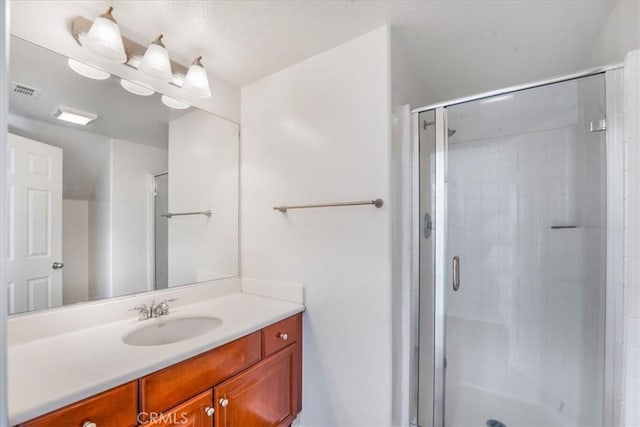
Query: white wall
point(319, 131)
point(133, 166)
point(203, 175)
point(100, 233)
point(619, 35)
point(75, 250)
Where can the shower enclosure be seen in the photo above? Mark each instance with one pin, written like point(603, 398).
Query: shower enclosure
point(520, 205)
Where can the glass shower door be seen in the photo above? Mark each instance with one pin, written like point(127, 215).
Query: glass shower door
point(524, 290)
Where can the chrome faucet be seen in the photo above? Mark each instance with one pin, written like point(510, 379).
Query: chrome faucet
point(143, 311)
point(155, 311)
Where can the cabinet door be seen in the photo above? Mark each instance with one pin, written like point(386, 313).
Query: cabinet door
point(195, 412)
point(262, 396)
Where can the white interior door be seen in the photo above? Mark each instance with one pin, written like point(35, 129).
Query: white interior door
point(34, 224)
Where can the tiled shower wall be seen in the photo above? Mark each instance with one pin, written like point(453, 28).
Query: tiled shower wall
point(631, 308)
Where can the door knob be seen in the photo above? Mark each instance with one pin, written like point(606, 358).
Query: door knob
point(57, 265)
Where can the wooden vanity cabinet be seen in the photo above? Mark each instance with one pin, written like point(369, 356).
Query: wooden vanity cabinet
point(168, 387)
point(117, 407)
point(195, 412)
point(253, 381)
point(264, 395)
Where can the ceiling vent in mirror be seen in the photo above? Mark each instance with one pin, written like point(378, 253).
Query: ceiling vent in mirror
point(25, 90)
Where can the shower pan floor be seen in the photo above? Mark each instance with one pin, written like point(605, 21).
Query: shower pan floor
point(472, 406)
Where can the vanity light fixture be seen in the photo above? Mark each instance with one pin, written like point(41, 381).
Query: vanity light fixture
point(74, 116)
point(155, 62)
point(196, 81)
point(174, 103)
point(104, 38)
point(136, 88)
point(87, 70)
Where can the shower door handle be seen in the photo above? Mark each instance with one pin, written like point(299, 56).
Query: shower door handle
point(455, 273)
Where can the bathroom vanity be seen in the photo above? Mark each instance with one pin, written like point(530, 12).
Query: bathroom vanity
point(246, 371)
point(252, 381)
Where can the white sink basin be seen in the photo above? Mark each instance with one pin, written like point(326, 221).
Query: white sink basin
point(171, 330)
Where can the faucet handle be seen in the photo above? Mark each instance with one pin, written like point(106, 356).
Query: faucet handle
point(164, 305)
point(143, 311)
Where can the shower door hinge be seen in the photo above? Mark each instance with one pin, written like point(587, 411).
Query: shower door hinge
point(598, 126)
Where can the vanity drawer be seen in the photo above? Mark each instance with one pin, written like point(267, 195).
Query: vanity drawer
point(281, 334)
point(167, 388)
point(113, 408)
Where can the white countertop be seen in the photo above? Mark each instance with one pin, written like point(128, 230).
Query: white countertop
point(52, 372)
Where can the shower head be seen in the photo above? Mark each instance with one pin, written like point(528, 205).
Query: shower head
point(450, 132)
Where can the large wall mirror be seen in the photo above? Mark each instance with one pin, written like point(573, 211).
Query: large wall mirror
point(143, 197)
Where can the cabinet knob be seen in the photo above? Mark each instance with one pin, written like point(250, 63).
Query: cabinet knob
point(89, 424)
point(209, 411)
point(282, 336)
point(224, 402)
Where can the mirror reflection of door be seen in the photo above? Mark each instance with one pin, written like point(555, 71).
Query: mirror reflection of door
point(161, 230)
point(34, 224)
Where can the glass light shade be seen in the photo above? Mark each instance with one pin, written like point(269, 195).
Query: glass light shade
point(87, 70)
point(104, 38)
point(196, 81)
point(155, 62)
point(136, 88)
point(174, 103)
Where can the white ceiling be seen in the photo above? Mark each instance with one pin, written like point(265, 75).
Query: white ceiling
point(459, 46)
